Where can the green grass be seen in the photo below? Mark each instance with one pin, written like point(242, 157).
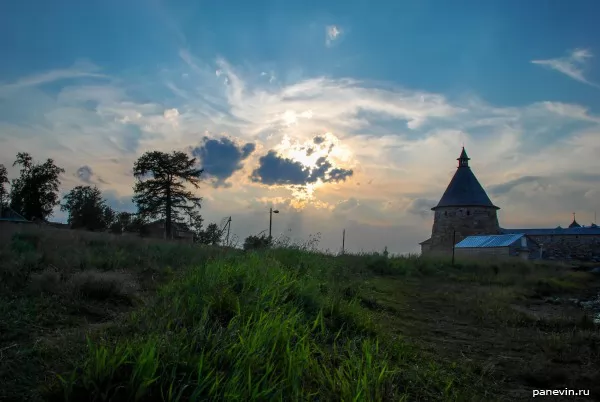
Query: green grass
point(250, 328)
point(91, 317)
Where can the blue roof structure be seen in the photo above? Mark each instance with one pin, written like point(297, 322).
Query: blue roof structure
point(579, 231)
point(464, 188)
point(489, 241)
point(9, 214)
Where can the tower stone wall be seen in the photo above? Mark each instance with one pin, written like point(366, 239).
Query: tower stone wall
point(466, 221)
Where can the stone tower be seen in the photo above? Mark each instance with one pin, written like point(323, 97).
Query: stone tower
point(464, 208)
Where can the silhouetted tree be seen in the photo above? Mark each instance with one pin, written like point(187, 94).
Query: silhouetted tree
point(3, 190)
point(87, 209)
point(257, 242)
point(160, 190)
point(195, 224)
point(212, 235)
point(35, 193)
point(121, 222)
point(138, 225)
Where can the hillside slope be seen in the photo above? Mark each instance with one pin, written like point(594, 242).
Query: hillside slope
point(87, 316)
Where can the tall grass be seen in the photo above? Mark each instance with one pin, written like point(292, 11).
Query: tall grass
point(250, 328)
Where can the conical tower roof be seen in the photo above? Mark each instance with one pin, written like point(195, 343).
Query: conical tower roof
point(464, 188)
point(574, 224)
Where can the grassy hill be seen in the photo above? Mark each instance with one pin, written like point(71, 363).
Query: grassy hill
point(87, 316)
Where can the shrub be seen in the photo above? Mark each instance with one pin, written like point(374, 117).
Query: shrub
point(257, 242)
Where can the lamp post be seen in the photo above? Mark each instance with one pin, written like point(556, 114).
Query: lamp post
point(271, 212)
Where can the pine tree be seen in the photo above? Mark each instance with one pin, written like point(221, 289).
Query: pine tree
point(160, 190)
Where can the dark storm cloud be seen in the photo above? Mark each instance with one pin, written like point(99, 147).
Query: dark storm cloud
point(338, 174)
point(221, 158)
point(319, 140)
point(277, 170)
point(322, 167)
point(274, 169)
point(85, 173)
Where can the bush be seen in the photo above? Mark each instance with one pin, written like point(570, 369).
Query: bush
point(257, 242)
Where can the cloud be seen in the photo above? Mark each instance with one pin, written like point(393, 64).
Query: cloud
point(503, 188)
point(85, 173)
point(308, 135)
point(346, 206)
point(221, 158)
point(275, 169)
point(421, 207)
point(332, 33)
point(81, 69)
point(573, 65)
point(171, 114)
point(119, 203)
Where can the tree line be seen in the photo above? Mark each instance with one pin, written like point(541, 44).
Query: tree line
point(161, 191)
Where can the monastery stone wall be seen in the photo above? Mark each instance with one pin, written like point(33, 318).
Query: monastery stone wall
point(570, 247)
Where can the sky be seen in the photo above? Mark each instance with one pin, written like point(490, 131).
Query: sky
point(339, 114)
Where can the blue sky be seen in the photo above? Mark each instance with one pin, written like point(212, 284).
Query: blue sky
point(392, 89)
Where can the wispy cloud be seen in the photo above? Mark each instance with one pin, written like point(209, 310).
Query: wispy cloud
point(80, 69)
point(573, 65)
point(332, 33)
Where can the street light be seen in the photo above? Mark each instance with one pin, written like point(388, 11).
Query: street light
point(271, 212)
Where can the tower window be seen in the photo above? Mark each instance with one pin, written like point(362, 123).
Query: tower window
point(468, 212)
point(445, 213)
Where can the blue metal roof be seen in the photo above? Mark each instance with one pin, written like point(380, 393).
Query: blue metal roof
point(9, 214)
point(581, 231)
point(464, 188)
point(489, 241)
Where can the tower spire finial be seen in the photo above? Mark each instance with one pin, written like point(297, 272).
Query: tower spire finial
point(463, 159)
point(574, 224)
